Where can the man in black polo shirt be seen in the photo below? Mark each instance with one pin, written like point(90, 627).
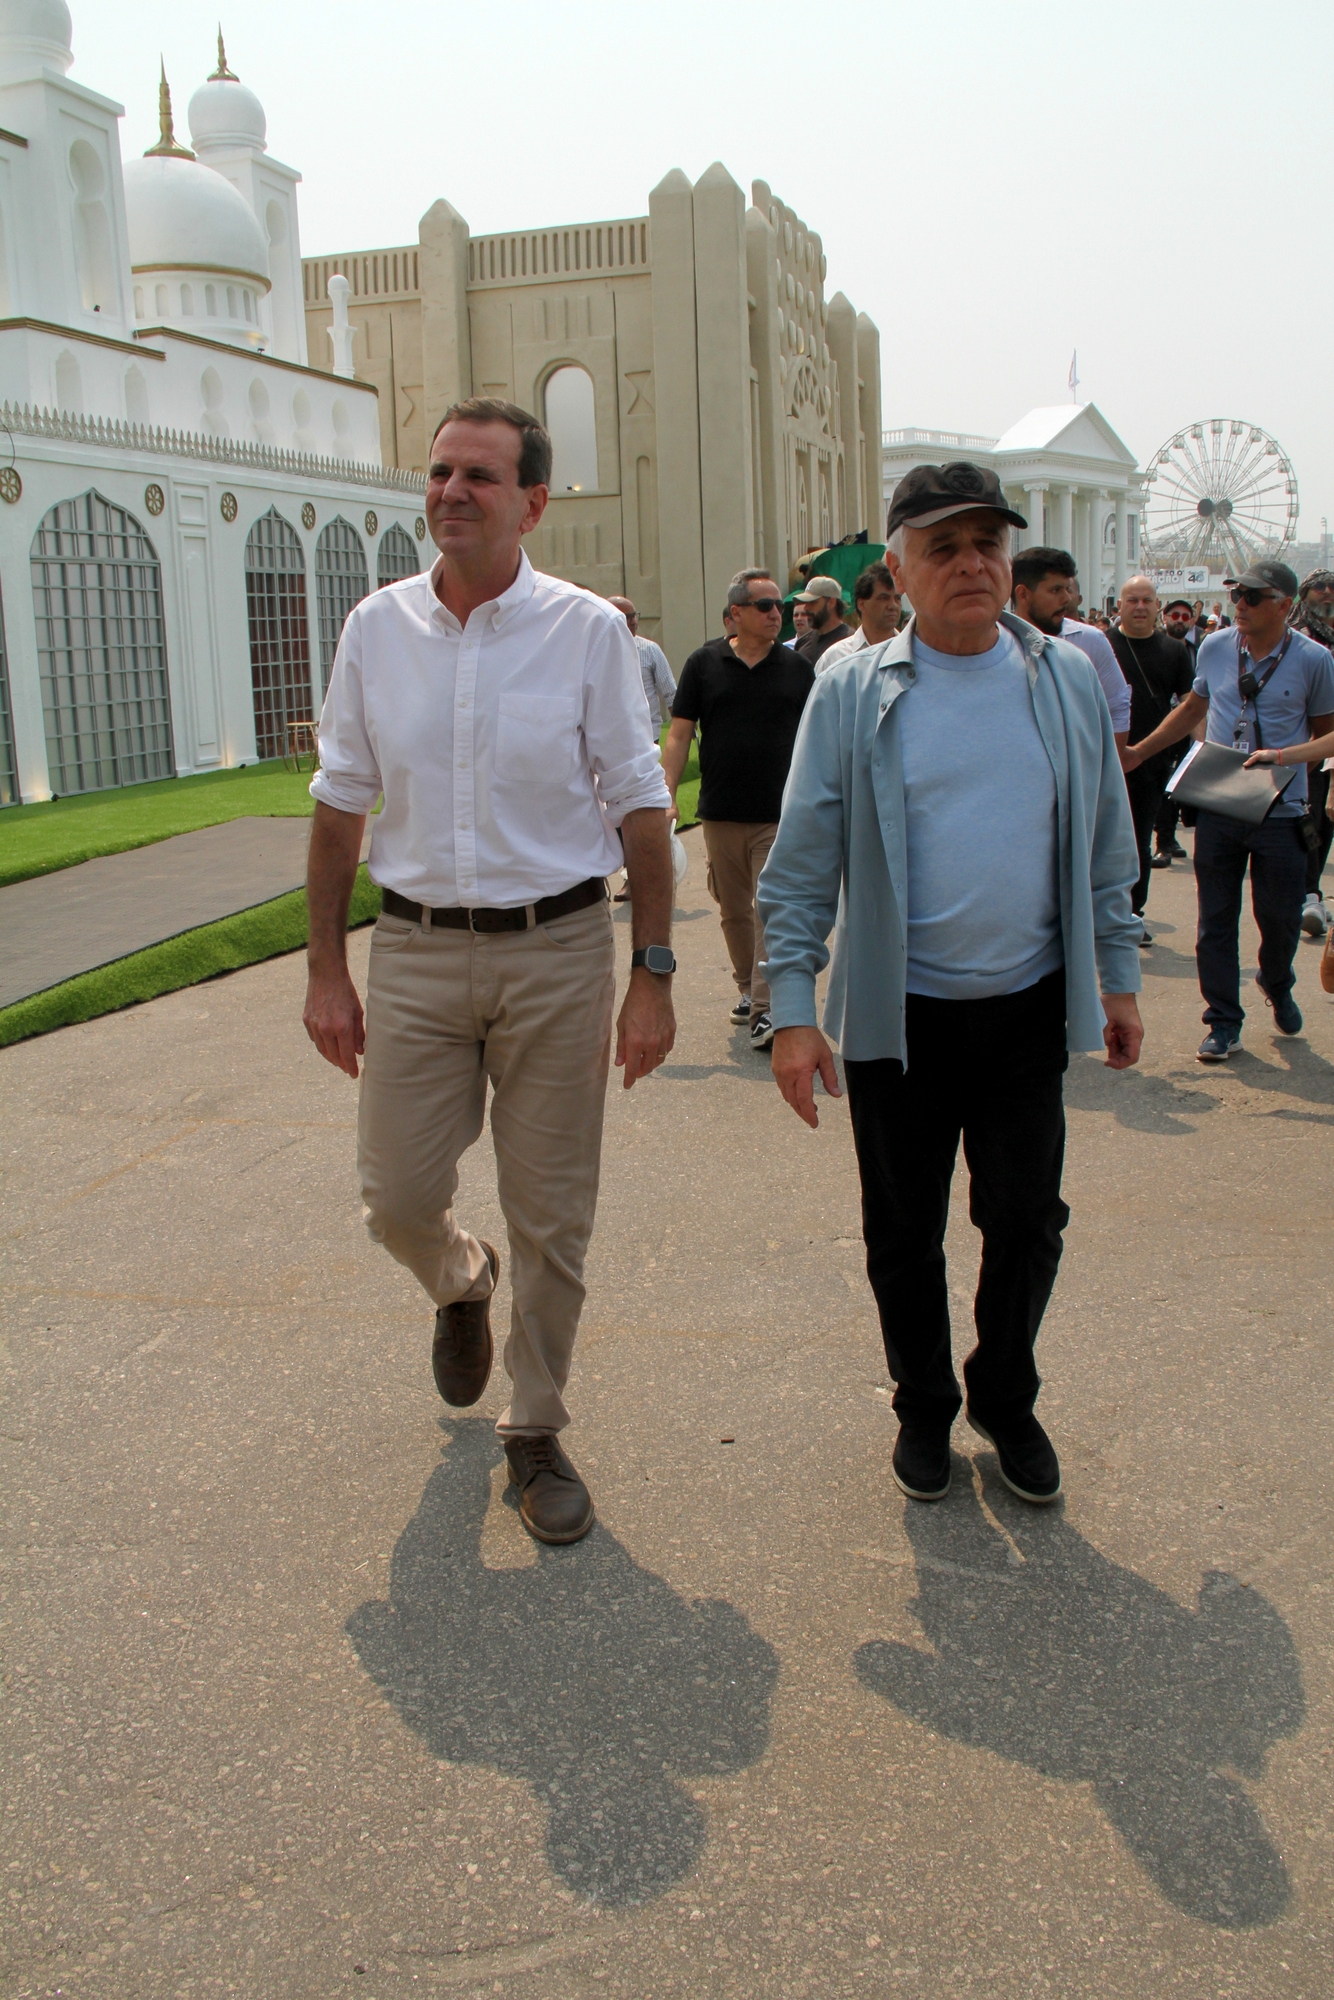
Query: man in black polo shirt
point(1160, 672)
point(746, 693)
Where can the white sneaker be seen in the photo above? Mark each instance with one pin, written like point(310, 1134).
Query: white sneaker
point(1315, 917)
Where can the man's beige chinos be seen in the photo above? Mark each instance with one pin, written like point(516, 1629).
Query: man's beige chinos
point(530, 1012)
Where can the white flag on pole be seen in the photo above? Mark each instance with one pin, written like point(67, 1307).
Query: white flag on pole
point(1073, 384)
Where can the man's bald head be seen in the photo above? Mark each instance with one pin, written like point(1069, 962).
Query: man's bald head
point(627, 611)
point(1139, 606)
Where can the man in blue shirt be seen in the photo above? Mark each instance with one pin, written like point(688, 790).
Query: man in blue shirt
point(957, 816)
point(1262, 685)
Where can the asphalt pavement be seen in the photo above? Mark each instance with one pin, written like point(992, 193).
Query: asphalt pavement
point(293, 1707)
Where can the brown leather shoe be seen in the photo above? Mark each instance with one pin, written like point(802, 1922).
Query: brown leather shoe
point(554, 1503)
point(463, 1350)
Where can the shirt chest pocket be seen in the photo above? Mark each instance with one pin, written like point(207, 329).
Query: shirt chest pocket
point(537, 739)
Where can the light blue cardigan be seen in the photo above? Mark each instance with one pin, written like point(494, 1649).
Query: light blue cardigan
point(841, 850)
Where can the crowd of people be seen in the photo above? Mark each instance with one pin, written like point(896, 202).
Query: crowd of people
point(959, 816)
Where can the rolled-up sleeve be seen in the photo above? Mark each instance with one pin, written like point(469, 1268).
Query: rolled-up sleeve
point(349, 775)
point(623, 758)
point(799, 886)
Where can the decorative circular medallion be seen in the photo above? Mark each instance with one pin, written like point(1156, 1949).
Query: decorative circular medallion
point(372, 523)
point(154, 499)
point(419, 528)
point(227, 506)
point(11, 486)
point(308, 515)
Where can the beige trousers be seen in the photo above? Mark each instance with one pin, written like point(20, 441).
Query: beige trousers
point(530, 1011)
point(737, 850)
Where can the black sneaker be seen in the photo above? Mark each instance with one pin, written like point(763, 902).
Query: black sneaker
point(1217, 1046)
point(1145, 937)
point(761, 1032)
point(741, 1012)
point(1287, 1014)
point(921, 1463)
point(1027, 1459)
point(1161, 860)
point(1177, 851)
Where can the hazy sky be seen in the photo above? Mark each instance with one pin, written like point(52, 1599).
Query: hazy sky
point(994, 185)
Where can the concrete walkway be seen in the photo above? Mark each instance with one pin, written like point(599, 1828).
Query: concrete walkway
point(293, 1708)
point(57, 926)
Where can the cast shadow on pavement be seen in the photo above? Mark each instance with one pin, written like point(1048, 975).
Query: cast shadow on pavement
point(585, 1675)
point(1137, 1099)
point(1078, 1668)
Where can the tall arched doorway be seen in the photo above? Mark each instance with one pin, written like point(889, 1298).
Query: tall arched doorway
point(275, 590)
point(101, 649)
point(397, 557)
point(341, 580)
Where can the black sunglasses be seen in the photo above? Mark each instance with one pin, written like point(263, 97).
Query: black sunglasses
point(760, 604)
point(1251, 596)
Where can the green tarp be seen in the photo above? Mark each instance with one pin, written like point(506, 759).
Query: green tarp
point(845, 564)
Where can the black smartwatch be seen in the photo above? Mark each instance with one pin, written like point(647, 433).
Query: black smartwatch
point(656, 958)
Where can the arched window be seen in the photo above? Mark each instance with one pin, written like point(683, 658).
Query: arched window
point(9, 776)
point(101, 650)
point(69, 384)
point(136, 397)
point(93, 256)
point(341, 581)
point(572, 421)
point(275, 590)
point(397, 556)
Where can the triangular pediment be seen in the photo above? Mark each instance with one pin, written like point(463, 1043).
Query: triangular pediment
point(1076, 430)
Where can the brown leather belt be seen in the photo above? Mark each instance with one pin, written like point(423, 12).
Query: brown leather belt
point(525, 918)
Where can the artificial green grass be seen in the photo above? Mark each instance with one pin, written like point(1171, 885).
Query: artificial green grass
point(38, 839)
point(266, 931)
point(687, 792)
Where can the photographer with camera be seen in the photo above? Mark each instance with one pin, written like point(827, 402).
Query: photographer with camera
point(1263, 686)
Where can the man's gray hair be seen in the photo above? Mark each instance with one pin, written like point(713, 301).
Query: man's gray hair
point(738, 590)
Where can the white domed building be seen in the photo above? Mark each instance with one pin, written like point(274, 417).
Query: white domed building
point(176, 480)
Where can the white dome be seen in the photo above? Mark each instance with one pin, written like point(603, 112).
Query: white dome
point(34, 35)
point(184, 217)
point(224, 112)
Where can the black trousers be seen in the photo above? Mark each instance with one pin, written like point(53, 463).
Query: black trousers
point(989, 1071)
point(1318, 786)
point(1277, 856)
point(1145, 788)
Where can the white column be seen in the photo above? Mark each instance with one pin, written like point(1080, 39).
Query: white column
point(1033, 504)
point(1063, 535)
point(1093, 590)
point(1122, 541)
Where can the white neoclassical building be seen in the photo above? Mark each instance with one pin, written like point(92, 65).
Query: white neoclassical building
point(1066, 470)
point(188, 509)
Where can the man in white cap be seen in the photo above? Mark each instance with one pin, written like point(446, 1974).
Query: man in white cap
point(823, 598)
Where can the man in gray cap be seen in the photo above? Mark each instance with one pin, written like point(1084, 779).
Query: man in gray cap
point(823, 598)
point(956, 814)
point(1262, 686)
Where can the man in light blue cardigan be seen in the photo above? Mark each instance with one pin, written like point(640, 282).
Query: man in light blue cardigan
point(957, 815)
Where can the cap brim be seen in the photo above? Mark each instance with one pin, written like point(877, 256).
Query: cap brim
point(959, 507)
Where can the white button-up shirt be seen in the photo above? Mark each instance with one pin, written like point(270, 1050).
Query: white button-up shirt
point(508, 749)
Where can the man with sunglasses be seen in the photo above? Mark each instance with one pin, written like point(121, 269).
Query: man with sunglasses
point(1261, 686)
point(746, 693)
point(1178, 623)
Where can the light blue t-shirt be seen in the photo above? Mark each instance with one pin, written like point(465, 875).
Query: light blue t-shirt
point(984, 909)
point(1303, 686)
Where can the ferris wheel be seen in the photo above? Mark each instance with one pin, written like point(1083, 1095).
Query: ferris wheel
point(1222, 492)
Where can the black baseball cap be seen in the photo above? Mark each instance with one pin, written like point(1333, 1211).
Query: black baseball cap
point(931, 493)
point(1178, 604)
point(1265, 576)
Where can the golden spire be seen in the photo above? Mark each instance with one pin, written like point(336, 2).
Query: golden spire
point(222, 74)
point(166, 147)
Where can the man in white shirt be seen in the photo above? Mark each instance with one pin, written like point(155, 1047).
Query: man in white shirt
point(1044, 581)
point(500, 713)
point(880, 603)
point(659, 686)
